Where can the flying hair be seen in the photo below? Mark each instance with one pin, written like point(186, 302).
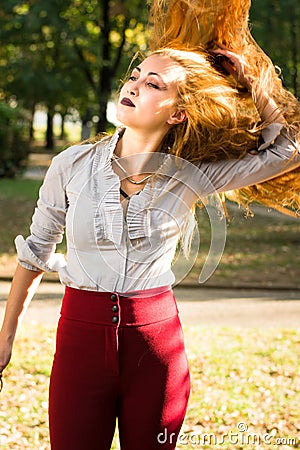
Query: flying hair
point(223, 122)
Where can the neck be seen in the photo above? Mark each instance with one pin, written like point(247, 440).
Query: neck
point(134, 142)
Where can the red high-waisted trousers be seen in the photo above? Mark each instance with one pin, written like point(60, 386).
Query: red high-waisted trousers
point(118, 357)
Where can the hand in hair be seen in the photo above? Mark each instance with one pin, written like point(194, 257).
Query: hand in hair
point(237, 67)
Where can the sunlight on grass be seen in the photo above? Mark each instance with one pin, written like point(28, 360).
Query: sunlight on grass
point(238, 376)
point(244, 376)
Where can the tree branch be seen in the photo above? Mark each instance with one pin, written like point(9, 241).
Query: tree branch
point(120, 49)
point(84, 66)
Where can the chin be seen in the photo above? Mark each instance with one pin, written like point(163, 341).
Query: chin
point(123, 119)
point(120, 120)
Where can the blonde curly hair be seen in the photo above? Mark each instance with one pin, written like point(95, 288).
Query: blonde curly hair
point(223, 122)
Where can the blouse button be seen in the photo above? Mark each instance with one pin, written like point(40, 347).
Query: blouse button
point(115, 319)
point(115, 308)
point(113, 297)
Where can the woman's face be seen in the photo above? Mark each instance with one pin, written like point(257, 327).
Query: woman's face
point(148, 100)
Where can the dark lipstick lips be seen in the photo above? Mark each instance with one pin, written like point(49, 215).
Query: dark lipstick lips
point(127, 102)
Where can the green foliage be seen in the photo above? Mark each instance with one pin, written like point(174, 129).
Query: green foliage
point(276, 26)
point(14, 146)
point(68, 55)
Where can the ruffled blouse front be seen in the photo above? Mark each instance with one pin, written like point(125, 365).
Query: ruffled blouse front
point(109, 250)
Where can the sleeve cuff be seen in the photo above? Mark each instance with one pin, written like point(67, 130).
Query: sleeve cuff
point(28, 266)
point(30, 261)
point(269, 134)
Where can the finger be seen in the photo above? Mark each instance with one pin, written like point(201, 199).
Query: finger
point(223, 46)
point(219, 51)
point(233, 58)
point(229, 67)
point(228, 52)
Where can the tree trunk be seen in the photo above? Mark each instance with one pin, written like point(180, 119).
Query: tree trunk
point(86, 124)
point(104, 90)
point(102, 124)
point(31, 128)
point(49, 131)
point(62, 127)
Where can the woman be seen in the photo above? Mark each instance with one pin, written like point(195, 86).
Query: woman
point(125, 202)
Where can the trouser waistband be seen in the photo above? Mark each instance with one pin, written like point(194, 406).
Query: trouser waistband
point(111, 308)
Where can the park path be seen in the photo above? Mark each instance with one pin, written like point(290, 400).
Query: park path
point(261, 308)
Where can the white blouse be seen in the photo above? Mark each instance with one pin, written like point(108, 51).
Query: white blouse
point(109, 249)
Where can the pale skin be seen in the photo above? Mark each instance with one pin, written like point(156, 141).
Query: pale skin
point(152, 91)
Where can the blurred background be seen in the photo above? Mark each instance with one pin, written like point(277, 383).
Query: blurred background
point(61, 62)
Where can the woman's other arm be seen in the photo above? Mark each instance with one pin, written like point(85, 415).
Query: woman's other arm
point(23, 287)
point(36, 253)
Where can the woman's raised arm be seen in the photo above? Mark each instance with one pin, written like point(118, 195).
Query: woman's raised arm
point(278, 154)
point(236, 66)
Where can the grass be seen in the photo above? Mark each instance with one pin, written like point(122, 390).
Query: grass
point(17, 202)
point(239, 376)
point(19, 189)
point(260, 251)
point(244, 376)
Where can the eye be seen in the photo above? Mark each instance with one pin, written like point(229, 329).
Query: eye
point(153, 85)
point(132, 78)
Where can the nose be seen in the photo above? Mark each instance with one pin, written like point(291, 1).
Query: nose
point(133, 88)
point(132, 91)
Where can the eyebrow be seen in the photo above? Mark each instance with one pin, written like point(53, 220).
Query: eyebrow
point(151, 73)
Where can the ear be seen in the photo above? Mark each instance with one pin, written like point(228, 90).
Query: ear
point(178, 116)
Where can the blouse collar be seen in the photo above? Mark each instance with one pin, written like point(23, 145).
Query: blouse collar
point(110, 214)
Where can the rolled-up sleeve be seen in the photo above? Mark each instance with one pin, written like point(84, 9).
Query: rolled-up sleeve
point(37, 252)
point(278, 154)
